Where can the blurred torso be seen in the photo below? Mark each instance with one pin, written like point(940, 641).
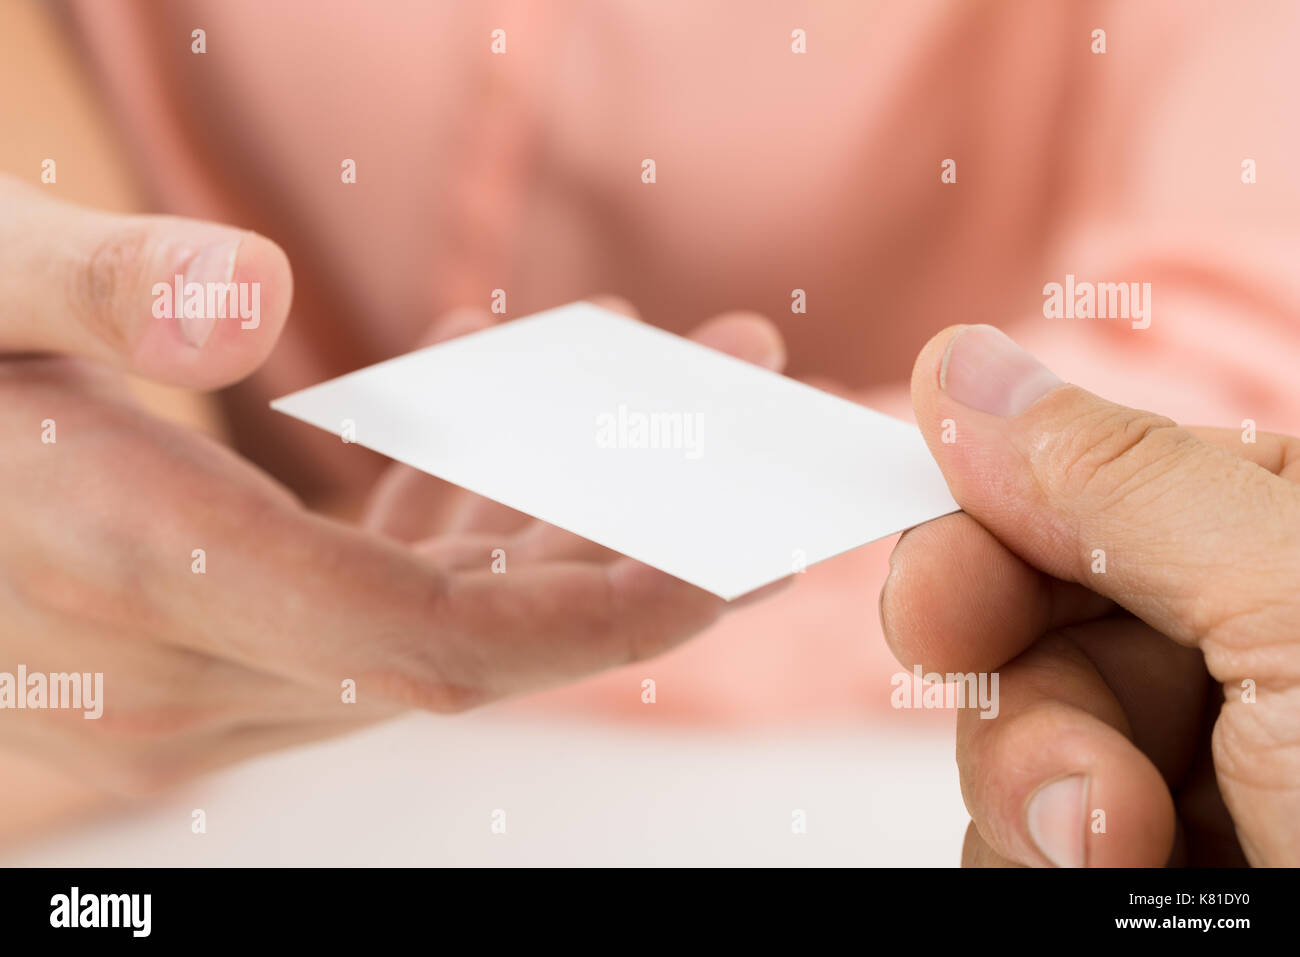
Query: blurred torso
point(521, 171)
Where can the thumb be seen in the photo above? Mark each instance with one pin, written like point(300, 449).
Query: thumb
point(1202, 544)
point(1184, 534)
point(105, 287)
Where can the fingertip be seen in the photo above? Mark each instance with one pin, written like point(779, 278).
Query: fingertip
point(615, 304)
point(1130, 819)
point(1052, 785)
point(215, 323)
point(262, 260)
point(262, 265)
point(663, 610)
point(956, 599)
point(745, 335)
point(928, 370)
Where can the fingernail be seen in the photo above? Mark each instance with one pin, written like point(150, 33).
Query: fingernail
point(1056, 816)
point(212, 264)
point(985, 370)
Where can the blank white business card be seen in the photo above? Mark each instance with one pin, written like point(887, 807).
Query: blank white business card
point(713, 470)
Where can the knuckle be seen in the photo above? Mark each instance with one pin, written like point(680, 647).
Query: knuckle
point(1255, 745)
point(1110, 454)
point(103, 284)
point(1240, 635)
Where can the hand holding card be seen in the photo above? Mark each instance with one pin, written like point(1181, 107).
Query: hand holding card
point(720, 473)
